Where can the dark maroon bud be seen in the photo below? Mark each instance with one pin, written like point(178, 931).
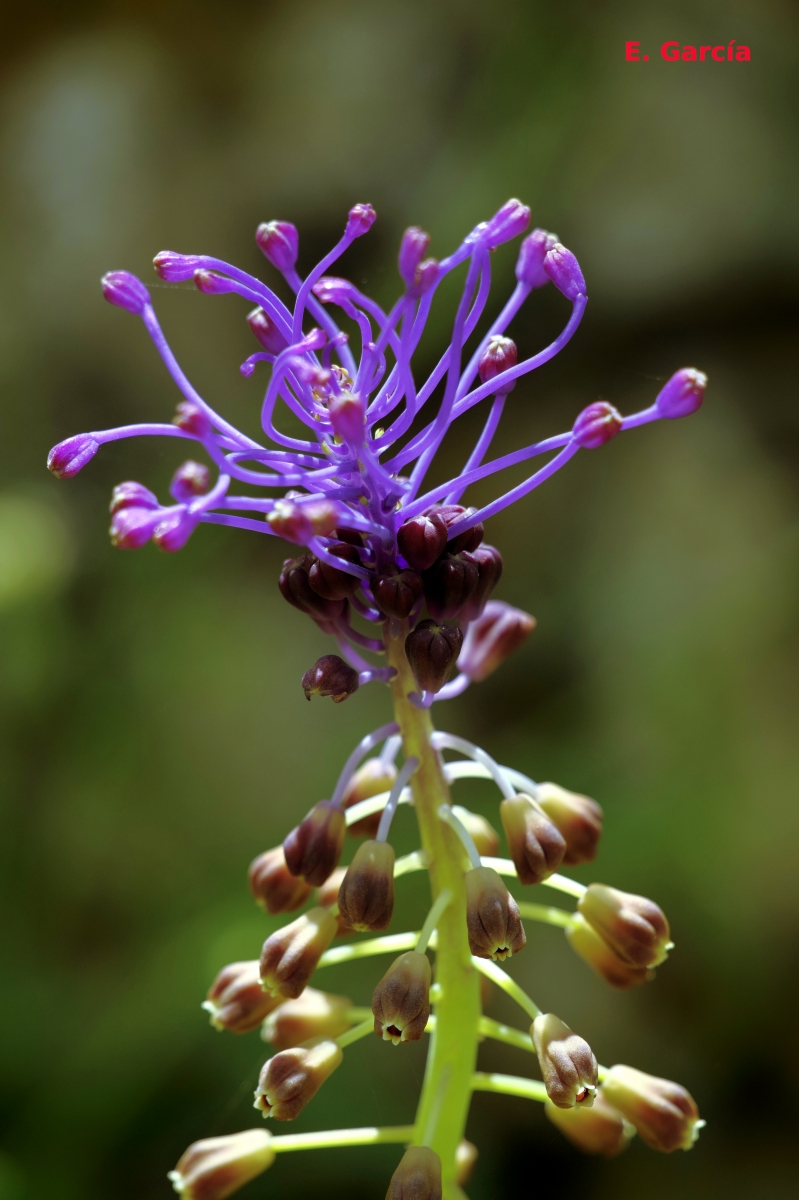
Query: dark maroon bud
point(330, 676)
point(313, 847)
point(499, 355)
point(191, 479)
point(328, 581)
point(266, 331)
point(432, 650)
point(488, 561)
point(273, 885)
point(471, 539)
point(351, 536)
point(449, 584)
point(397, 591)
point(421, 540)
point(295, 587)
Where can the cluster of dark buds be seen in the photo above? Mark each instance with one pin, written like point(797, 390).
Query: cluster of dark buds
point(388, 568)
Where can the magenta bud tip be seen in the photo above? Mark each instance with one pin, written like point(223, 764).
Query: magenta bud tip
point(596, 424)
point(279, 242)
point(360, 219)
point(71, 455)
point(175, 268)
point(125, 291)
point(532, 252)
point(564, 270)
point(683, 394)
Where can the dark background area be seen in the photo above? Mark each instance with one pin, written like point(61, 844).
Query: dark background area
point(153, 734)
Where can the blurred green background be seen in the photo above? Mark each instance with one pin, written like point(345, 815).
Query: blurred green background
point(154, 736)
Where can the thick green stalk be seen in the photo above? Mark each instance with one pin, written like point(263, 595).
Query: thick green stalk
point(447, 1089)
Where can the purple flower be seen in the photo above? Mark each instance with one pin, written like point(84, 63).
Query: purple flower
point(683, 394)
point(532, 252)
point(564, 270)
point(279, 242)
point(596, 425)
point(125, 291)
point(413, 248)
point(71, 455)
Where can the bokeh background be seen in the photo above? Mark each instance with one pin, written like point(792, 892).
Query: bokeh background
point(153, 735)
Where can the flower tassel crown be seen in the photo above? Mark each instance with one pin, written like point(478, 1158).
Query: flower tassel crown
point(374, 550)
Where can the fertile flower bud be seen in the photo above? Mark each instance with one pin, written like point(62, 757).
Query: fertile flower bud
point(499, 355)
point(596, 425)
point(599, 956)
point(488, 561)
point(314, 1014)
point(600, 1129)
point(481, 831)
point(192, 479)
point(578, 819)
point(212, 284)
point(432, 650)
point(366, 896)
point(563, 269)
point(125, 291)
point(511, 220)
point(397, 591)
point(236, 1000)
point(314, 847)
point(418, 1176)
point(634, 927)
point(374, 777)
point(266, 331)
point(465, 1156)
point(449, 584)
point(683, 394)
point(293, 1077)
point(348, 418)
point(332, 290)
point(323, 516)
point(471, 539)
point(330, 582)
point(532, 252)
point(534, 843)
point(295, 586)
point(288, 521)
point(132, 527)
point(131, 495)
point(279, 242)
point(192, 419)
point(567, 1063)
point(401, 1000)
point(426, 276)
point(330, 676)
point(664, 1113)
point(327, 897)
point(174, 531)
point(492, 916)
point(71, 455)
point(422, 539)
point(216, 1167)
point(175, 268)
point(360, 219)
point(492, 637)
point(413, 248)
point(290, 955)
point(273, 885)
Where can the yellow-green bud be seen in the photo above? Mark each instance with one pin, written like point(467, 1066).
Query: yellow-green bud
point(600, 1129)
point(482, 832)
point(293, 1077)
point(664, 1113)
point(314, 1014)
point(567, 1064)
point(374, 777)
point(236, 1000)
point(418, 1176)
point(216, 1167)
point(578, 820)
point(290, 955)
point(598, 954)
point(492, 916)
point(632, 926)
point(366, 895)
point(534, 843)
point(401, 1000)
point(465, 1159)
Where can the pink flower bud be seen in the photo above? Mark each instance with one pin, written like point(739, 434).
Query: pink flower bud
point(279, 242)
point(426, 276)
point(374, 777)
point(366, 895)
point(216, 1167)
point(586, 942)
point(564, 270)
point(322, 516)
point(290, 955)
point(683, 394)
point(314, 1014)
point(360, 219)
point(634, 927)
point(71, 455)
point(125, 291)
point(530, 263)
point(266, 331)
point(348, 417)
point(664, 1113)
point(492, 916)
point(600, 1129)
point(567, 1064)
point(293, 1077)
point(511, 220)
point(432, 651)
point(273, 885)
point(418, 1176)
point(596, 424)
point(492, 637)
point(289, 521)
point(534, 843)
point(175, 268)
point(396, 592)
point(213, 284)
point(499, 355)
point(236, 1000)
point(132, 495)
point(332, 290)
point(192, 419)
point(132, 527)
point(313, 848)
point(578, 819)
point(192, 479)
point(413, 248)
point(172, 533)
point(422, 539)
point(401, 1000)
point(331, 677)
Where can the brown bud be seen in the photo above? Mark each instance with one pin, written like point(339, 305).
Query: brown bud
point(482, 832)
point(397, 591)
point(374, 777)
point(567, 1063)
point(488, 562)
point(330, 676)
point(216, 1167)
point(421, 540)
point(598, 954)
point(314, 1014)
point(534, 843)
point(236, 1000)
point(492, 637)
point(290, 955)
point(492, 916)
point(634, 927)
point(451, 513)
point(273, 885)
point(600, 1129)
point(330, 582)
point(293, 1077)
point(578, 818)
point(449, 584)
point(295, 587)
point(327, 897)
point(465, 1156)
point(401, 1000)
point(432, 650)
point(366, 896)
point(313, 847)
point(418, 1176)
point(664, 1113)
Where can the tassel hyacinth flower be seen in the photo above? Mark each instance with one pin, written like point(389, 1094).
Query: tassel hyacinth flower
point(399, 575)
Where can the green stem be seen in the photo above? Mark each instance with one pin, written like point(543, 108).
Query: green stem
point(370, 1136)
point(509, 1085)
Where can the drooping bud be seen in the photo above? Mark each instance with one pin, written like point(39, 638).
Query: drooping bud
point(192, 419)
point(511, 220)
point(532, 252)
point(401, 1000)
point(132, 527)
point(374, 777)
point(314, 847)
point(599, 956)
point(71, 455)
point(567, 1064)
point(413, 248)
point(564, 270)
point(465, 1157)
point(600, 1129)
point(366, 896)
point(449, 585)
point(330, 582)
point(348, 418)
point(596, 424)
point(492, 637)
point(418, 1176)
point(421, 540)
point(273, 885)
point(175, 268)
point(236, 1000)
point(314, 1014)
point(290, 954)
point(492, 916)
point(174, 530)
point(293, 1077)
point(192, 479)
point(295, 586)
point(634, 927)
point(132, 495)
point(432, 651)
point(664, 1113)
point(330, 676)
point(578, 818)
point(210, 283)
point(683, 394)
point(481, 831)
point(279, 242)
point(397, 591)
point(360, 219)
point(499, 355)
point(488, 561)
point(471, 539)
point(266, 331)
point(534, 842)
point(125, 291)
point(214, 1168)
